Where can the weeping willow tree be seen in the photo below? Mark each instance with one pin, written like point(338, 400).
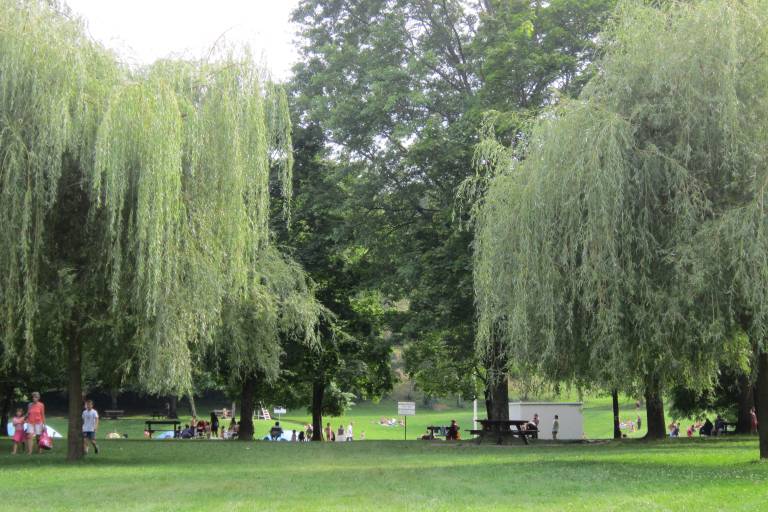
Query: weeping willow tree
point(282, 306)
point(580, 236)
point(145, 193)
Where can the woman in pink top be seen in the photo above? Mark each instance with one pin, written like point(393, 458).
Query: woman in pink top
point(35, 421)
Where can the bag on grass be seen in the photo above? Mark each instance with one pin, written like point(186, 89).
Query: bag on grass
point(45, 442)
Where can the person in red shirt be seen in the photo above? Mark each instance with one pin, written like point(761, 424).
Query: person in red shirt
point(35, 422)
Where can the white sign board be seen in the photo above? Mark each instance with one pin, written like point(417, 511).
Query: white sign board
point(280, 410)
point(406, 408)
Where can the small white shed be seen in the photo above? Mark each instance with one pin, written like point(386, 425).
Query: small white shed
point(569, 413)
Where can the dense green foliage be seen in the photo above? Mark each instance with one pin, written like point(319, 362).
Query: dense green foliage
point(139, 201)
point(590, 234)
point(399, 88)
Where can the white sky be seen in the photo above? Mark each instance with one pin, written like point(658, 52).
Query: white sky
point(143, 30)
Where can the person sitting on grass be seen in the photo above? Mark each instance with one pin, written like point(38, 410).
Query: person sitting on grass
point(294, 437)
point(429, 436)
point(276, 431)
point(706, 429)
point(301, 437)
point(187, 433)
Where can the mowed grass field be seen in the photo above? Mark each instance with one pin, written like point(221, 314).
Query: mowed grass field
point(138, 475)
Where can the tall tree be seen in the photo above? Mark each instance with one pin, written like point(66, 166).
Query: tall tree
point(579, 235)
point(140, 197)
point(398, 89)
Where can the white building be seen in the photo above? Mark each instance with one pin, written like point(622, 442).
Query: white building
point(569, 413)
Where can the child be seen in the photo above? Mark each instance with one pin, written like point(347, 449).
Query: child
point(18, 431)
point(90, 425)
point(555, 427)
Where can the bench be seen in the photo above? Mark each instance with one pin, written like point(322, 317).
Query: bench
point(149, 423)
point(157, 414)
point(223, 413)
point(113, 414)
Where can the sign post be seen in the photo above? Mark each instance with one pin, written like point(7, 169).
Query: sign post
point(279, 411)
point(406, 409)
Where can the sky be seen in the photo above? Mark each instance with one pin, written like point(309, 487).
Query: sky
point(141, 31)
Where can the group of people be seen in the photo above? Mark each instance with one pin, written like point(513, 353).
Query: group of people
point(30, 428)
point(208, 429)
point(533, 425)
point(341, 434)
point(706, 428)
point(276, 433)
point(390, 422)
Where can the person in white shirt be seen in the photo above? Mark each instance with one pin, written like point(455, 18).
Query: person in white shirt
point(555, 427)
point(90, 426)
point(349, 432)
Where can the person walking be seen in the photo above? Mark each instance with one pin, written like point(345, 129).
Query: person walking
point(90, 426)
point(18, 431)
point(555, 427)
point(35, 422)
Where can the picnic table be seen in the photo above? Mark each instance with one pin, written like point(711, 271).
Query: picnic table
point(150, 423)
point(438, 430)
point(113, 414)
point(501, 429)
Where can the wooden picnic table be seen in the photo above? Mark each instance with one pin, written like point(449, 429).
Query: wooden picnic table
point(499, 429)
point(149, 424)
point(438, 430)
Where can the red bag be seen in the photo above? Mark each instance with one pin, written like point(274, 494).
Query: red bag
point(46, 441)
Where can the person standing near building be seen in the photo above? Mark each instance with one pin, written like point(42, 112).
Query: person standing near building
point(555, 427)
point(90, 426)
point(35, 422)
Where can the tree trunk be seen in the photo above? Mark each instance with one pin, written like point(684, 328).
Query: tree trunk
point(654, 408)
point(318, 394)
point(5, 407)
point(497, 397)
point(172, 406)
point(616, 421)
point(192, 408)
point(246, 409)
point(761, 397)
point(497, 383)
point(75, 397)
point(746, 402)
point(113, 398)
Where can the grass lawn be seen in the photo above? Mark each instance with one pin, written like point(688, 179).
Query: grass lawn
point(682, 474)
